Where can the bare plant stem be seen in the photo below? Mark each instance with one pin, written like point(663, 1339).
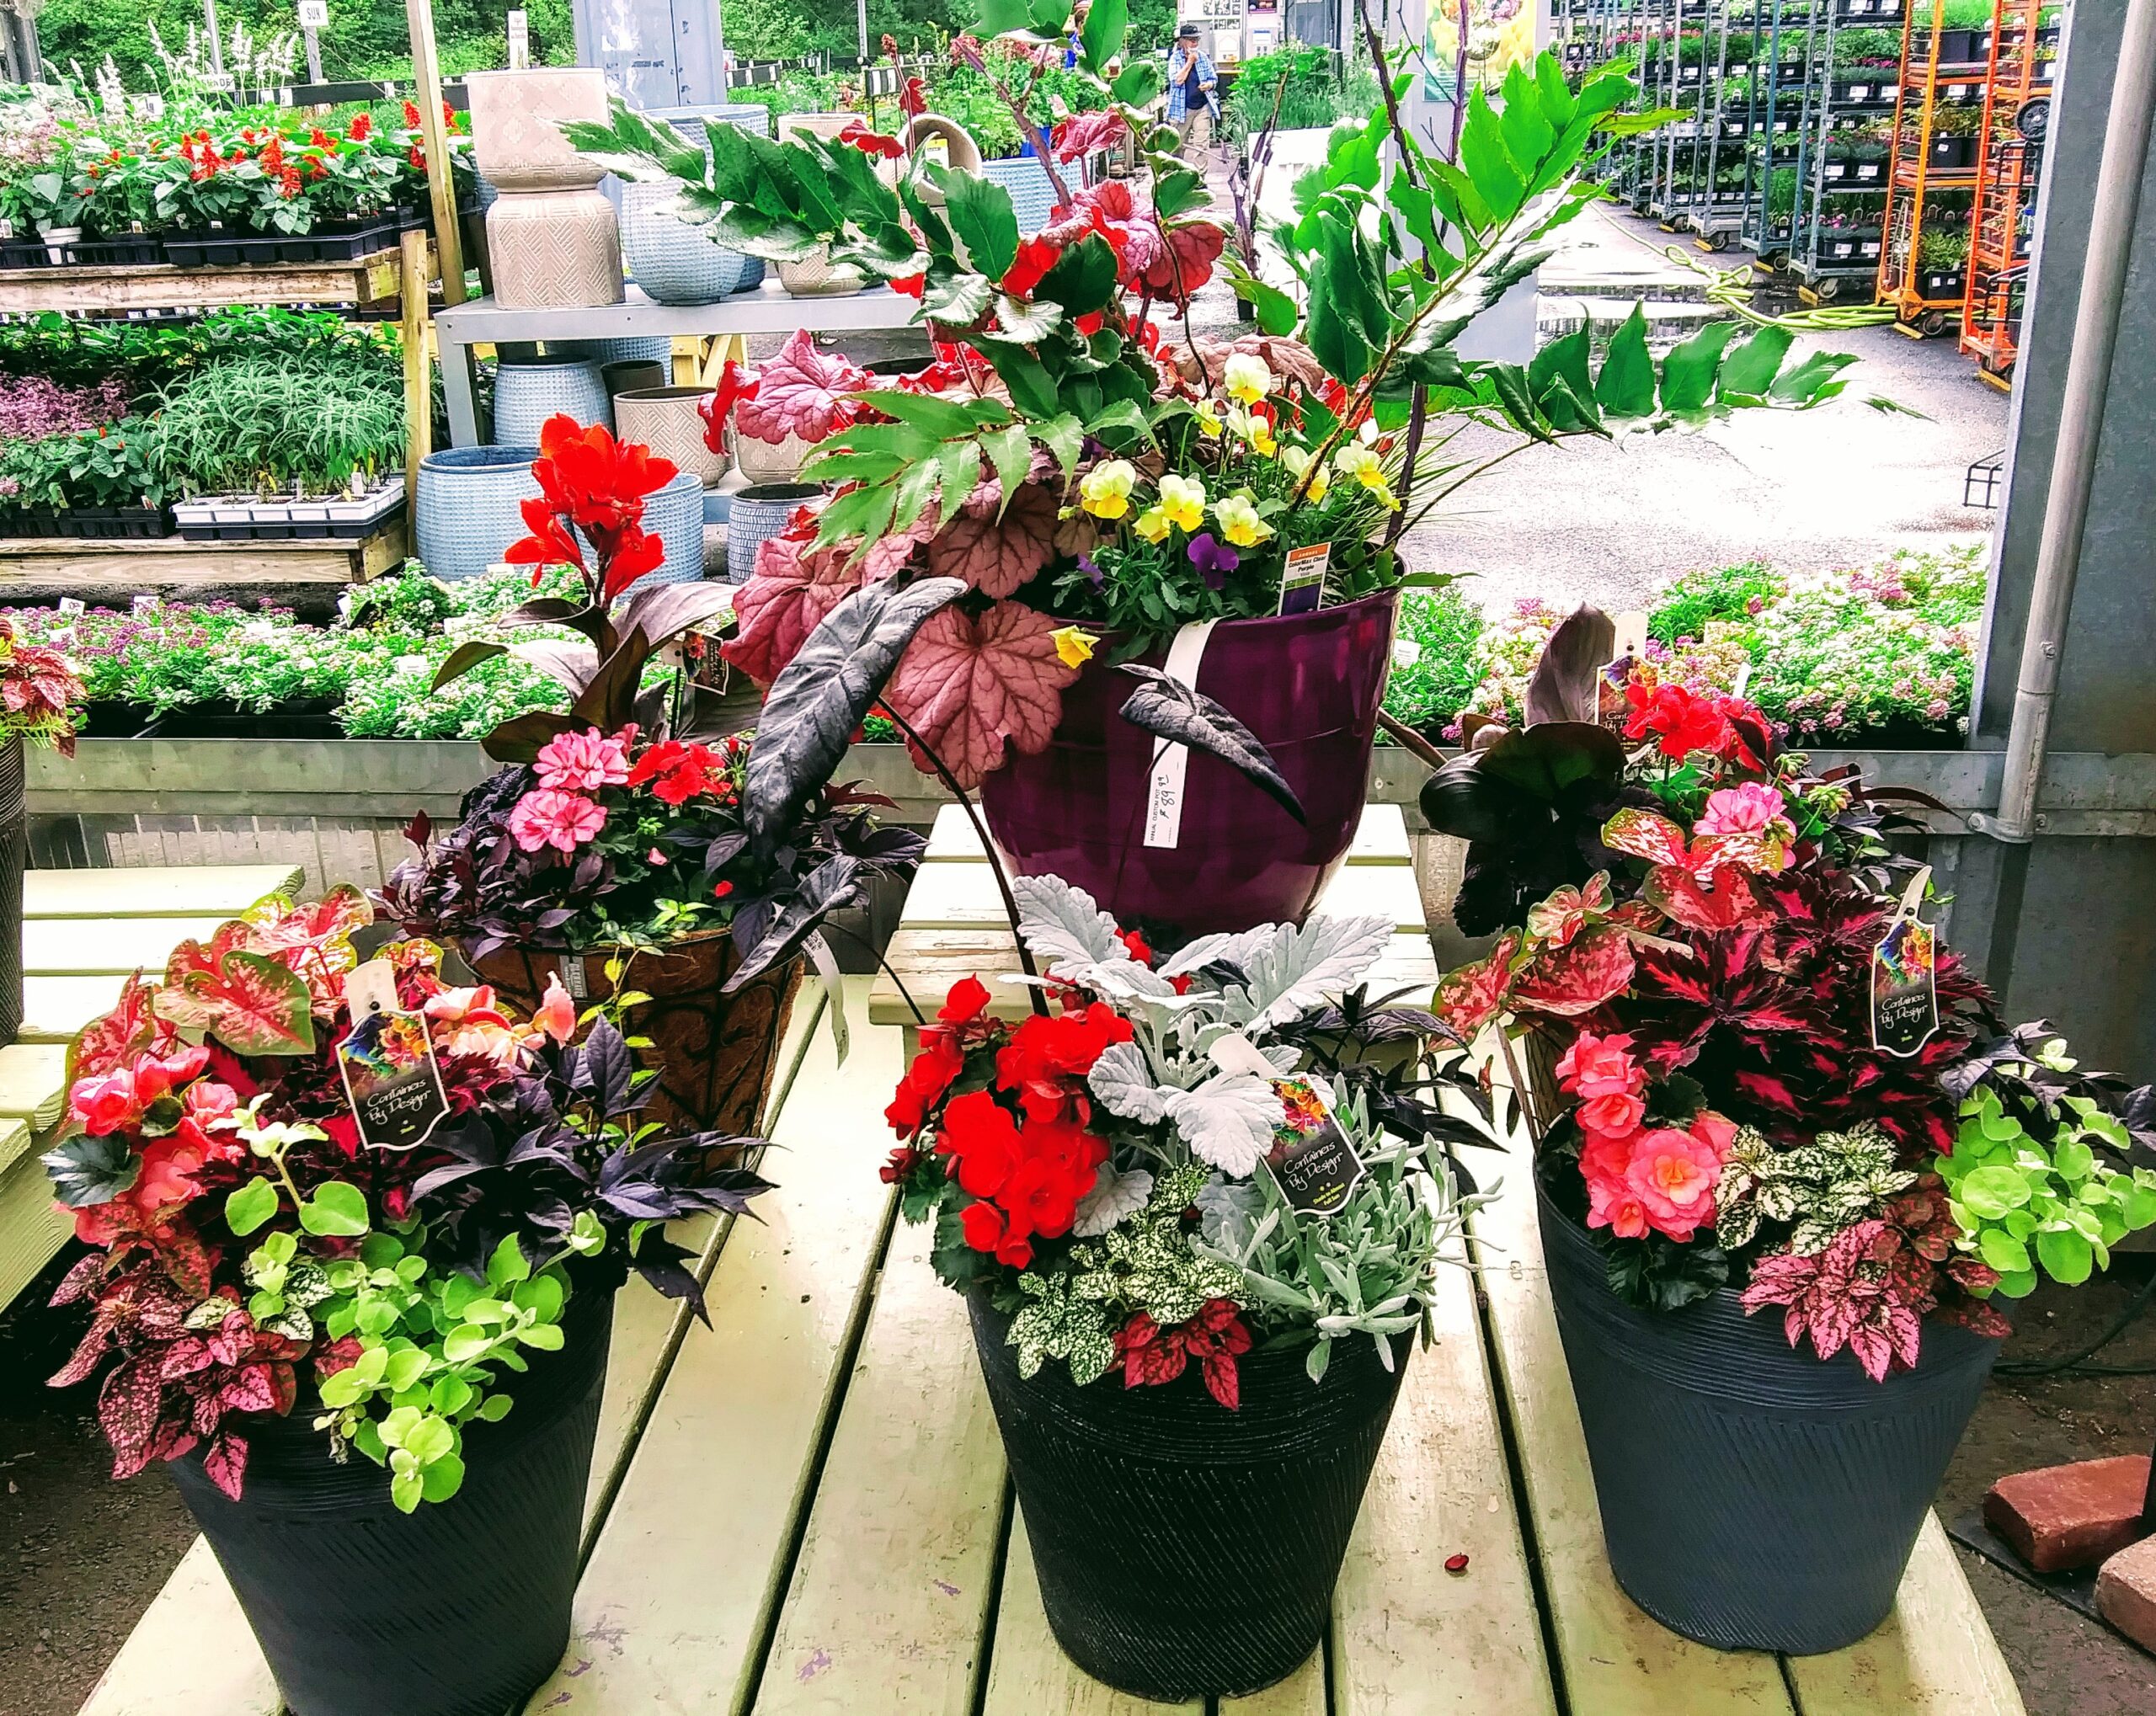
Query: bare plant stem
point(1521, 1094)
point(1410, 740)
point(987, 846)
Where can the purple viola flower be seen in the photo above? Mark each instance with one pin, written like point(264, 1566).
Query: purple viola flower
point(1094, 575)
point(1213, 559)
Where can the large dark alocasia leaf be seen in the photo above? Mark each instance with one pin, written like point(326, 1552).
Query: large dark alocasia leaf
point(1181, 714)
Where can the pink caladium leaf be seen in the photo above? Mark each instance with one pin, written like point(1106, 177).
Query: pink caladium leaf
point(802, 392)
point(130, 1029)
point(1568, 911)
point(997, 555)
point(793, 587)
point(1645, 834)
point(1475, 993)
point(1578, 977)
point(248, 1001)
point(969, 686)
point(314, 938)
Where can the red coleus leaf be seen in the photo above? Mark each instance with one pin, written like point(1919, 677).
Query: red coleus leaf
point(968, 686)
point(996, 556)
point(800, 393)
point(247, 1001)
point(1085, 133)
point(1578, 977)
point(793, 590)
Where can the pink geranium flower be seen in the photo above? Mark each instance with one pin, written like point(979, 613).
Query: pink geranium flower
point(1751, 808)
point(585, 762)
point(562, 820)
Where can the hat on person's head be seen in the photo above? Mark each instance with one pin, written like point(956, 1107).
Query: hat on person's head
point(1187, 29)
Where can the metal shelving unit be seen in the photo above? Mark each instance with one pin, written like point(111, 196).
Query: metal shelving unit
point(2016, 115)
point(1840, 230)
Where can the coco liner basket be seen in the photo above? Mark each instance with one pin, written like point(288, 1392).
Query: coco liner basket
point(1184, 1550)
point(715, 1053)
point(1308, 685)
point(1752, 1496)
point(460, 1609)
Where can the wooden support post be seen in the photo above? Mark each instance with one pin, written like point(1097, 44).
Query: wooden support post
point(441, 183)
point(419, 372)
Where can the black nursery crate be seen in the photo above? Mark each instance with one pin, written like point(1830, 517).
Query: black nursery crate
point(1952, 154)
point(1941, 283)
point(350, 244)
point(126, 523)
point(22, 253)
point(133, 251)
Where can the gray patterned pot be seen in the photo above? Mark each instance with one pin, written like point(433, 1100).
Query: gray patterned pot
point(759, 513)
point(530, 391)
point(674, 262)
point(667, 420)
point(1031, 197)
point(466, 514)
point(628, 349)
point(555, 250)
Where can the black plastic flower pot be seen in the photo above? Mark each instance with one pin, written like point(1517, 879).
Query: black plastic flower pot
point(1752, 1496)
point(459, 1609)
point(1184, 1550)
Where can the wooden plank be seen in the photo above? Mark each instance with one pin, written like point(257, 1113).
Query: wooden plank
point(1381, 838)
point(1408, 1638)
point(174, 564)
point(81, 288)
point(1934, 1656)
point(176, 892)
point(678, 1596)
point(957, 895)
point(192, 1653)
point(103, 947)
point(1028, 1674)
point(32, 1227)
point(1301, 1694)
point(54, 1010)
point(891, 1593)
point(930, 961)
point(32, 1077)
point(1616, 1661)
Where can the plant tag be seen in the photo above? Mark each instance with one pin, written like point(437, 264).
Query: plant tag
point(1164, 793)
point(148, 603)
point(1302, 583)
point(572, 970)
point(1311, 1160)
point(1617, 671)
point(72, 606)
point(391, 1077)
point(1904, 980)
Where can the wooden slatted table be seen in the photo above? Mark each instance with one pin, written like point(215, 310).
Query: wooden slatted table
point(804, 1510)
point(83, 931)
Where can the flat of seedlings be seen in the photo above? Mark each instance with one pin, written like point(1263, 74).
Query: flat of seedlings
point(804, 1510)
point(83, 931)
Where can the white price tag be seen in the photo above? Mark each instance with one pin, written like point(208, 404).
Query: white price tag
point(1164, 796)
point(314, 14)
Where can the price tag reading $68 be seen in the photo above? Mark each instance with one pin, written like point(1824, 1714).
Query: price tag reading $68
point(391, 1077)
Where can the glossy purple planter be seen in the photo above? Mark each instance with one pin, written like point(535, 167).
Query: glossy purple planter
point(1308, 685)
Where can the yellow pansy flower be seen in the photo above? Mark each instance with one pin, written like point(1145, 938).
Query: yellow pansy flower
point(1246, 378)
point(1208, 418)
point(1240, 522)
point(1152, 525)
point(1182, 502)
point(1073, 645)
point(1105, 490)
point(1296, 461)
point(1359, 462)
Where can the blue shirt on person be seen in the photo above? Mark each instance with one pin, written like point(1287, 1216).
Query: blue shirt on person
point(1179, 93)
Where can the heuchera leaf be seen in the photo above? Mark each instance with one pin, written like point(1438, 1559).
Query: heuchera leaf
point(968, 686)
point(802, 392)
point(996, 556)
point(793, 589)
point(248, 1001)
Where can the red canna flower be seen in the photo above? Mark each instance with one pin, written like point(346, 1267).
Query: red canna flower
point(872, 142)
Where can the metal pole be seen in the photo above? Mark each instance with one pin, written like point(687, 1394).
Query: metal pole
point(2081, 422)
point(861, 12)
point(216, 44)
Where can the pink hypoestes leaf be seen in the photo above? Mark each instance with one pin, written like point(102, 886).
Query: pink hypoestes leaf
point(969, 686)
point(224, 1461)
point(996, 556)
point(802, 392)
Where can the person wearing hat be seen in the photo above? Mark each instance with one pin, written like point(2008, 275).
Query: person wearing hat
point(1191, 99)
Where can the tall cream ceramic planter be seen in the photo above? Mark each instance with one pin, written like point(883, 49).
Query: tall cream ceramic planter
point(553, 242)
point(667, 420)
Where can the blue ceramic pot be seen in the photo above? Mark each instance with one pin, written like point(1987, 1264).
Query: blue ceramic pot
point(1031, 197)
point(675, 515)
point(529, 391)
point(674, 262)
point(760, 511)
point(631, 348)
point(465, 513)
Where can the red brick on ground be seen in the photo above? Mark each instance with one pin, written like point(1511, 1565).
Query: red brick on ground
point(2059, 1517)
point(2126, 1592)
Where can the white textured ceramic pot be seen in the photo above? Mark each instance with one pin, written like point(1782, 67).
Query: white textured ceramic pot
point(516, 126)
point(555, 250)
point(668, 421)
point(768, 461)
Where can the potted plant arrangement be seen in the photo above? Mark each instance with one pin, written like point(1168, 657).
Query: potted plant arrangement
point(615, 853)
point(341, 1210)
point(1197, 1233)
point(1113, 491)
point(1943, 261)
point(104, 481)
point(40, 695)
point(1788, 1163)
